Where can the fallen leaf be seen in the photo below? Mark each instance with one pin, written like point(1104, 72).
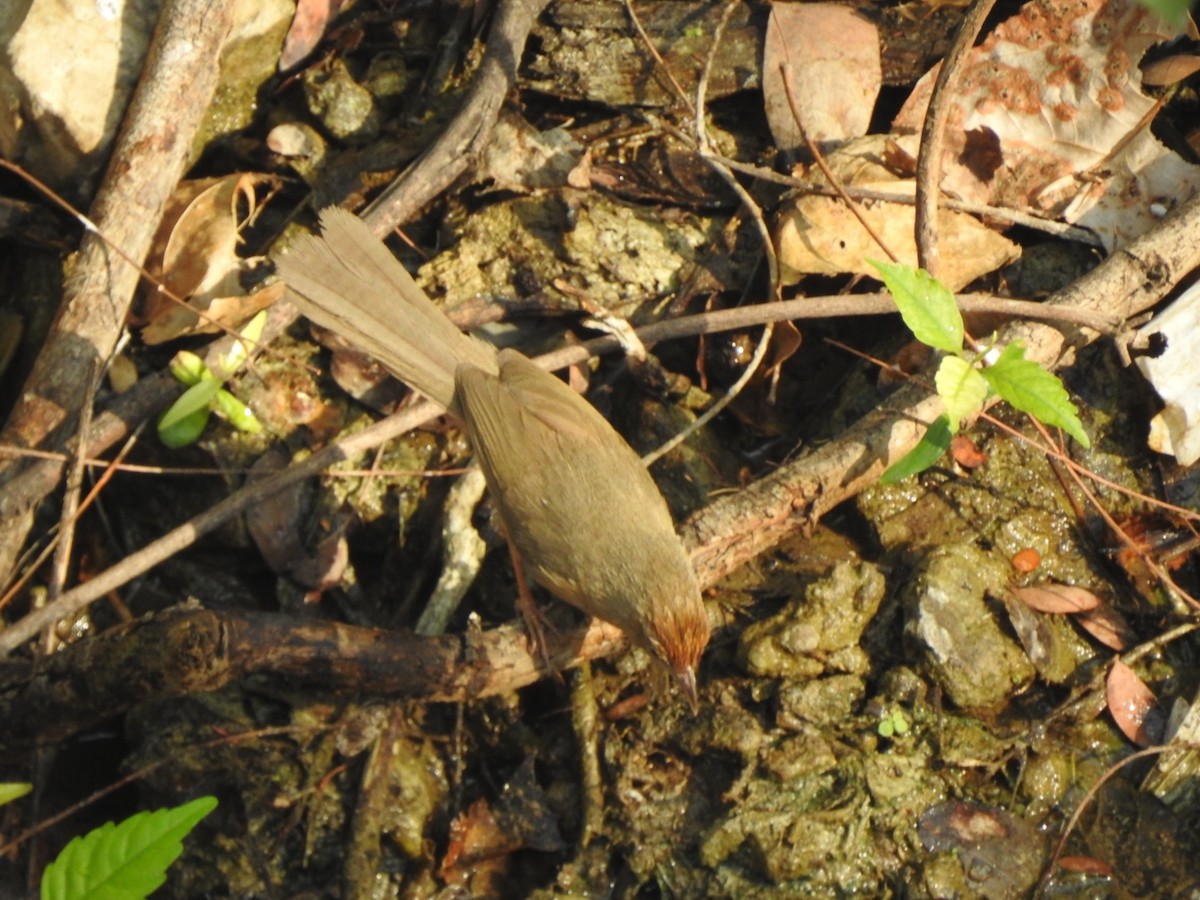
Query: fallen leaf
point(230, 312)
point(1172, 70)
point(1049, 118)
point(1107, 626)
point(483, 839)
point(836, 72)
point(477, 854)
point(1133, 706)
point(1085, 865)
point(820, 236)
point(195, 258)
point(1057, 598)
point(308, 27)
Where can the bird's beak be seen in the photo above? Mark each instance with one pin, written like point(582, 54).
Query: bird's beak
point(686, 679)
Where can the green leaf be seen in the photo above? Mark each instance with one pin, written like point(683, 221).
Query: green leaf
point(961, 388)
point(198, 396)
point(13, 790)
point(184, 422)
point(237, 413)
point(935, 442)
point(126, 861)
point(186, 431)
point(1031, 389)
point(927, 307)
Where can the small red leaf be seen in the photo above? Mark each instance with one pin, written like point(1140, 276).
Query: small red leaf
point(1085, 865)
point(1133, 706)
point(1057, 598)
point(1107, 626)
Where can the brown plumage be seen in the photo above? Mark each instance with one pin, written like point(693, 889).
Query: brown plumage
point(575, 499)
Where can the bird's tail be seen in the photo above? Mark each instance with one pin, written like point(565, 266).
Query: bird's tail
point(346, 280)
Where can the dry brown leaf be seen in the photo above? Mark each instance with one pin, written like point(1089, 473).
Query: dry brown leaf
point(478, 853)
point(1085, 865)
point(1107, 626)
point(1171, 70)
point(308, 27)
point(1048, 117)
point(230, 312)
point(195, 257)
point(820, 236)
point(1057, 598)
point(1133, 706)
point(836, 72)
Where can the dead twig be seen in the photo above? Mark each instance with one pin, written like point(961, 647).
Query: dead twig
point(70, 505)
point(187, 650)
point(785, 70)
point(933, 134)
point(460, 144)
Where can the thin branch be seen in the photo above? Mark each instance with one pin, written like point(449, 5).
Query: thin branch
point(933, 134)
point(785, 70)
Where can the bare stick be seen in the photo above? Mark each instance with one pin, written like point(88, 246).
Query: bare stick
point(460, 144)
point(933, 134)
point(786, 72)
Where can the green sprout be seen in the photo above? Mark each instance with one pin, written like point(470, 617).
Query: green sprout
point(188, 416)
point(964, 380)
point(895, 724)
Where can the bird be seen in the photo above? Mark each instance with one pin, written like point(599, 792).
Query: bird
point(575, 501)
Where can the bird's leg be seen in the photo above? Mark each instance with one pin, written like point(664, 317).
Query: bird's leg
point(536, 625)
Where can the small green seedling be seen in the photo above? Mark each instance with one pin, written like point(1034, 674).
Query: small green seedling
point(188, 416)
point(965, 380)
point(127, 861)
point(895, 724)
